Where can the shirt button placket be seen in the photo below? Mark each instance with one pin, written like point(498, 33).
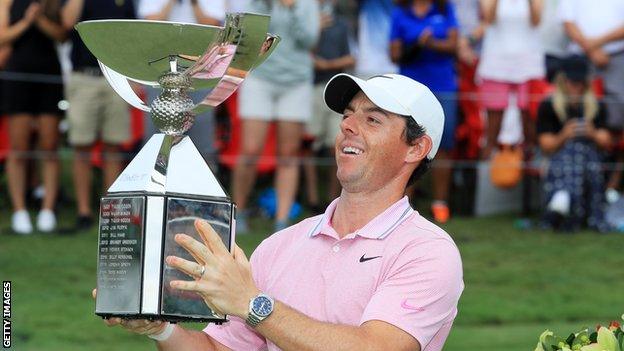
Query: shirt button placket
point(336, 248)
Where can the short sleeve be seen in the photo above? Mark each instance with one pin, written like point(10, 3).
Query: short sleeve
point(420, 291)
point(396, 31)
point(451, 18)
point(150, 7)
point(213, 8)
point(236, 334)
point(547, 121)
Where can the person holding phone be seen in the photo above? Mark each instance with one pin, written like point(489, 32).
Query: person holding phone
point(572, 130)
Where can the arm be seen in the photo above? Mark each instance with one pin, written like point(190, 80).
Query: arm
point(8, 33)
point(227, 286)
point(340, 63)
point(396, 50)
point(488, 10)
point(71, 13)
point(201, 17)
point(163, 14)
point(614, 35)
point(535, 9)
point(551, 142)
point(573, 31)
point(448, 45)
point(292, 330)
point(52, 29)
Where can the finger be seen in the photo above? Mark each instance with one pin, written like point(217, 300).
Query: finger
point(190, 268)
point(94, 293)
point(198, 250)
point(211, 238)
point(239, 256)
point(186, 285)
point(112, 321)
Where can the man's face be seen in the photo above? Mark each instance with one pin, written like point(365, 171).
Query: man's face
point(370, 149)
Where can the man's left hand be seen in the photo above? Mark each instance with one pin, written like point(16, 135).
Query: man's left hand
point(226, 284)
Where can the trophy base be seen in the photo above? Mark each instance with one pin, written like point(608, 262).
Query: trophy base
point(136, 234)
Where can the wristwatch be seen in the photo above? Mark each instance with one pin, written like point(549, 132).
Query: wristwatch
point(260, 307)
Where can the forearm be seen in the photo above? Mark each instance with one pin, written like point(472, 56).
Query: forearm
point(551, 142)
point(396, 50)
point(161, 15)
point(202, 18)
point(11, 33)
point(341, 63)
point(602, 138)
point(52, 29)
point(71, 12)
point(187, 340)
point(615, 35)
point(577, 36)
point(447, 46)
point(294, 331)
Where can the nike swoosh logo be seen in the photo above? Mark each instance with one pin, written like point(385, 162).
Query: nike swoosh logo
point(364, 259)
point(405, 305)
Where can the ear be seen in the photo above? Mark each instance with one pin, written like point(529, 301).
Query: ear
point(421, 148)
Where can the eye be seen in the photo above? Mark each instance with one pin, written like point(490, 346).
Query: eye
point(373, 119)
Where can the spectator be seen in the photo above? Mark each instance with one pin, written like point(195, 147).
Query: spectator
point(279, 90)
point(598, 33)
point(210, 12)
point(31, 29)
point(470, 127)
point(424, 43)
point(510, 58)
point(331, 56)
point(373, 54)
point(553, 37)
point(96, 112)
point(572, 129)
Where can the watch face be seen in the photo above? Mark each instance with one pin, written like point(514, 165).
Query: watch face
point(262, 306)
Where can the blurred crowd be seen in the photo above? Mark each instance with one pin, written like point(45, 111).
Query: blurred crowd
point(556, 66)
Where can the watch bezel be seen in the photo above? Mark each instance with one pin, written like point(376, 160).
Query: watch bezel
point(257, 312)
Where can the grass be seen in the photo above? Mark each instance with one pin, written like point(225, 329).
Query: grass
point(518, 283)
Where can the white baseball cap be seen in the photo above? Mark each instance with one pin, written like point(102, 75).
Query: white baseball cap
point(394, 93)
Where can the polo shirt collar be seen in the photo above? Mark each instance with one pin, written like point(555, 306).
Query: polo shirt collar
point(378, 228)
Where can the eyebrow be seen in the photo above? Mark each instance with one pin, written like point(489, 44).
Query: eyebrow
point(370, 109)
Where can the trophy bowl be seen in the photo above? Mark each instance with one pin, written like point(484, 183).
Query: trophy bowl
point(168, 185)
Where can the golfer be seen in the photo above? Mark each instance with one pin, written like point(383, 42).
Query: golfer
point(369, 274)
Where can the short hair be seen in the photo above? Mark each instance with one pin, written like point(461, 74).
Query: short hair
point(413, 131)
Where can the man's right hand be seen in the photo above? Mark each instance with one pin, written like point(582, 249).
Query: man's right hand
point(569, 129)
point(137, 326)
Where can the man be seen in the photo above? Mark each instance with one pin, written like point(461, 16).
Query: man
point(369, 274)
point(95, 111)
point(598, 33)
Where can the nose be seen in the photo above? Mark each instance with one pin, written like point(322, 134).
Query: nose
point(349, 125)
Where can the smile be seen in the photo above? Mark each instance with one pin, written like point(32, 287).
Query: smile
point(352, 150)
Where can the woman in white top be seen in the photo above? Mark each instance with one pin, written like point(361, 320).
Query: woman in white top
point(511, 56)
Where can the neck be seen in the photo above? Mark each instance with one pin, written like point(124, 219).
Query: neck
point(355, 209)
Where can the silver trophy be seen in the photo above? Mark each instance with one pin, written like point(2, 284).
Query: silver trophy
point(168, 184)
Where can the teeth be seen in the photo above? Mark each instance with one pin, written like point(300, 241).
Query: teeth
point(351, 150)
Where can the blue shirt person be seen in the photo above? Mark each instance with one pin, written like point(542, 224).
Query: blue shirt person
point(423, 41)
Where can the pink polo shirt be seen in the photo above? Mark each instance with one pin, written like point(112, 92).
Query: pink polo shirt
point(399, 268)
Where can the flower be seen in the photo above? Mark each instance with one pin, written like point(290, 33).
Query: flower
point(609, 338)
